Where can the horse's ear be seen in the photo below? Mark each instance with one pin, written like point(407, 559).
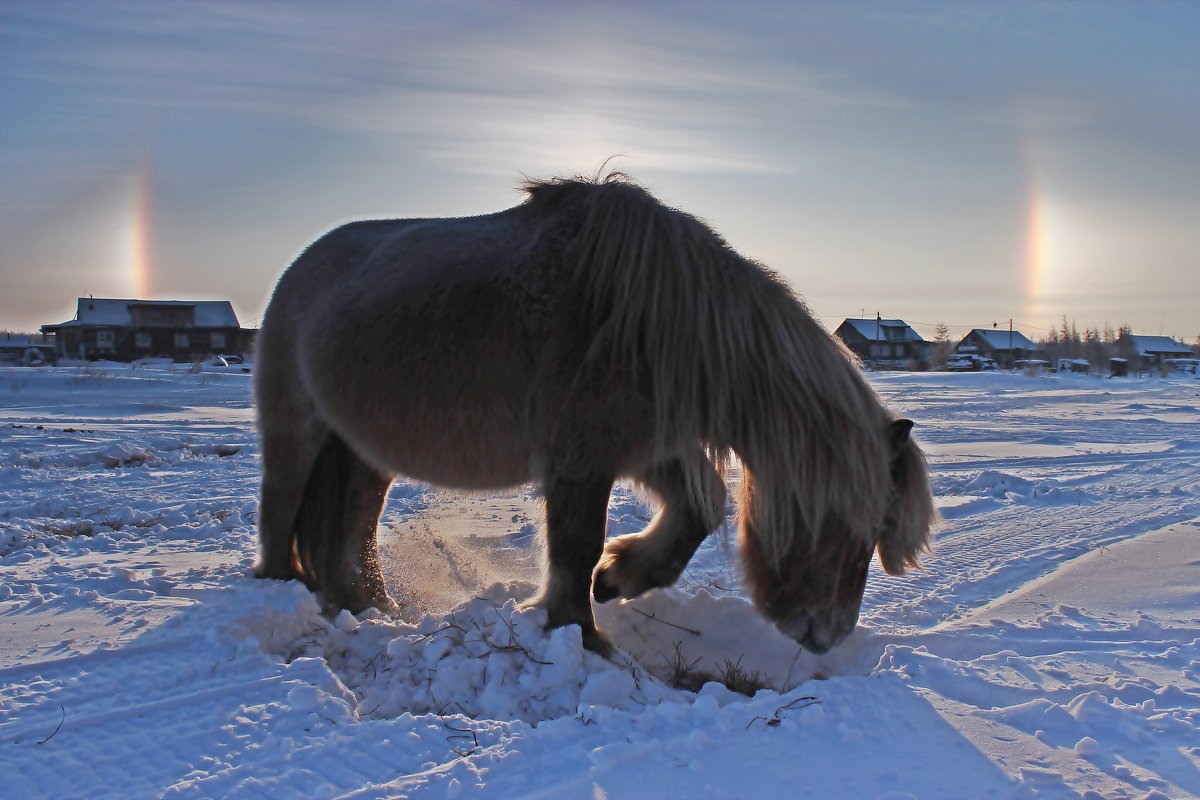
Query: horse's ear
point(898, 432)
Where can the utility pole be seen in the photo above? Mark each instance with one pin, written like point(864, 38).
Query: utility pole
point(1012, 357)
point(878, 346)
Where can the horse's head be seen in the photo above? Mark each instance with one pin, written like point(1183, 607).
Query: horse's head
point(812, 587)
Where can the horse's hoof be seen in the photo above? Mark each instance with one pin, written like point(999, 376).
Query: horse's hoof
point(262, 571)
point(388, 609)
point(598, 643)
point(602, 589)
point(618, 580)
point(384, 605)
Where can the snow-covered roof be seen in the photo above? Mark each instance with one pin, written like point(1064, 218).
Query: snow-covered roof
point(12, 340)
point(1145, 345)
point(116, 312)
point(999, 339)
point(884, 330)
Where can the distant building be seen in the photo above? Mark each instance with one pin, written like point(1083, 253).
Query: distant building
point(1152, 351)
point(1005, 347)
point(885, 343)
point(25, 350)
point(125, 330)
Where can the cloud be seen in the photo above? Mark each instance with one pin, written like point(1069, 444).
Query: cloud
point(678, 101)
point(872, 139)
point(523, 85)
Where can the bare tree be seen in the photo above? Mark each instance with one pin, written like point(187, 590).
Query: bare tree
point(942, 346)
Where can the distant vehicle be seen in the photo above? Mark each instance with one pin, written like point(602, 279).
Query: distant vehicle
point(1081, 365)
point(33, 357)
point(227, 363)
point(1186, 366)
point(1032, 366)
point(969, 362)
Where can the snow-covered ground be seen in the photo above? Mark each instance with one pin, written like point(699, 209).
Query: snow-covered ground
point(1050, 647)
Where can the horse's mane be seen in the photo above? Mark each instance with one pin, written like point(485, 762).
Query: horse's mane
point(736, 360)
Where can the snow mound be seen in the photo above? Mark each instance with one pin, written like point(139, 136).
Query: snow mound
point(489, 658)
point(1013, 488)
point(113, 455)
point(724, 637)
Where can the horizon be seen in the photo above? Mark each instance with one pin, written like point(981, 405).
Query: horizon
point(927, 330)
point(958, 163)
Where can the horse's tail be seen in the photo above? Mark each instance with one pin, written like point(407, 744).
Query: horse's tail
point(334, 546)
point(319, 544)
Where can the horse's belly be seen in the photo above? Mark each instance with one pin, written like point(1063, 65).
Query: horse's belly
point(457, 450)
point(464, 476)
point(468, 467)
point(433, 379)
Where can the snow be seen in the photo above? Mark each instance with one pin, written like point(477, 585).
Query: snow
point(1050, 647)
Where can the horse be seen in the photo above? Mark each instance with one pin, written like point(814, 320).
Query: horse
point(588, 334)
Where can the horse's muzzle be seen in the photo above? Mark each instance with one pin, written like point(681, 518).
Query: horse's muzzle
point(818, 631)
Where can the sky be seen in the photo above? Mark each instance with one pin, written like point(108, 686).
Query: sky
point(963, 163)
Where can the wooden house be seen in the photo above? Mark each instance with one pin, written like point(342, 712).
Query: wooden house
point(1003, 346)
point(1149, 352)
point(885, 343)
point(126, 330)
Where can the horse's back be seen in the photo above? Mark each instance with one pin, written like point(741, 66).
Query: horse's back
point(391, 257)
point(413, 336)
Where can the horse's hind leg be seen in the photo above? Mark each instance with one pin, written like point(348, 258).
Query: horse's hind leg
point(335, 529)
point(362, 585)
point(693, 497)
point(290, 445)
point(576, 513)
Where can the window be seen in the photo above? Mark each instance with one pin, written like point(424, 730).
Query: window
point(182, 342)
point(218, 341)
point(105, 340)
point(144, 340)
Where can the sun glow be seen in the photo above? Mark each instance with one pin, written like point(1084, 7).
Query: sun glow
point(137, 233)
point(1037, 246)
point(1044, 235)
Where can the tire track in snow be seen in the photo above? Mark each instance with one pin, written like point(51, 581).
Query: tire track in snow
point(1124, 495)
point(969, 567)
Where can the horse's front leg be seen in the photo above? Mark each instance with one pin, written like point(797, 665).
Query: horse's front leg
point(692, 493)
point(576, 513)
